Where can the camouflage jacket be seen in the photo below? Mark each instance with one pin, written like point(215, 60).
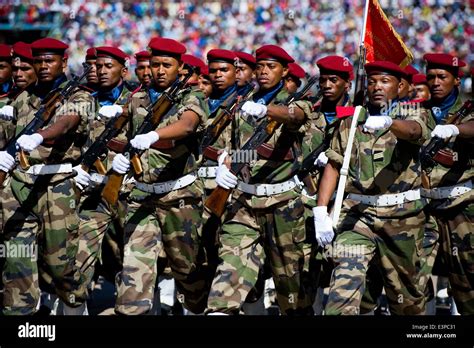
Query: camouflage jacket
point(463, 169)
point(381, 163)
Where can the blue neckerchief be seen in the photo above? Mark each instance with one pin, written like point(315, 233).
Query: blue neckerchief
point(331, 115)
point(6, 87)
point(108, 97)
point(215, 103)
point(153, 94)
point(42, 89)
point(440, 111)
point(265, 97)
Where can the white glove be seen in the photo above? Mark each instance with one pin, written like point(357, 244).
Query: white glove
point(7, 113)
point(322, 160)
point(82, 177)
point(445, 132)
point(6, 161)
point(254, 109)
point(29, 142)
point(224, 178)
point(144, 141)
point(323, 225)
point(374, 123)
point(121, 164)
point(110, 111)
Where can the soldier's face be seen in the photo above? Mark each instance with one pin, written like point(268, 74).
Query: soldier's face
point(441, 82)
point(164, 70)
point(192, 80)
point(205, 86)
point(382, 89)
point(222, 75)
point(143, 72)
point(5, 71)
point(269, 73)
point(243, 74)
point(333, 87)
point(92, 75)
point(405, 89)
point(291, 84)
point(422, 92)
point(49, 67)
point(23, 74)
point(109, 72)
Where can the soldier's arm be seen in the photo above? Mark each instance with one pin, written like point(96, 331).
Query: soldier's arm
point(406, 129)
point(185, 126)
point(61, 127)
point(291, 115)
point(466, 130)
point(328, 183)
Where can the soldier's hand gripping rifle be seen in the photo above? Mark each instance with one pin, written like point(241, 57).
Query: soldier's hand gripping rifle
point(216, 202)
point(156, 113)
point(52, 102)
point(434, 152)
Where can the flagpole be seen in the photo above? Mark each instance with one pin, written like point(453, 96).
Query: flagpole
point(364, 23)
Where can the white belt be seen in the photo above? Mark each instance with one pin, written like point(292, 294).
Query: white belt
point(46, 169)
point(98, 178)
point(447, 191)
point(266, 189)
point(306, 194)
point(167, 186)
point(386, 200)
point(207, 172)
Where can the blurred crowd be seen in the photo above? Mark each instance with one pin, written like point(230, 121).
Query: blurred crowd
point(307, 29)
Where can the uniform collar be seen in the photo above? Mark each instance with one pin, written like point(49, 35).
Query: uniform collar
point(6, 87)
point(441, 109)
point(265, 97)
point(109, 97)
point(42, 89)
point(214, 103)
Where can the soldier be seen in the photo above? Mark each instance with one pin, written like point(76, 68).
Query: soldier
point(98, 220)
point(142, 69)
point(197, 64)
point(39, 204)
point(293, 79)
point(92, 79)
point(408, 89)
point(244, 68)
point(165, 207)
point(382, 218)
point(450, 180)
point(6, 84)
point(265, 217)
point(205, 82)
point(422, 91)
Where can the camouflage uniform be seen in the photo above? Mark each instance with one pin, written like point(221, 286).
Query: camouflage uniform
point(40, 210)
point(455, 215)
point(7, 128)
point(391, 235)
point(256, 227)
point(169, 220)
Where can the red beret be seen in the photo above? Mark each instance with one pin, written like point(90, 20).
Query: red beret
point(91, 53)
point(419, 79)
point(386, 67)
point(410, 71)
point(336, 65)
point(273, 52)
point(161, 46)
point(442, 61)
point(22, 51)
point(112, 52)
point(296, 71)
point(193, 61)
point(205, 71)
point(218, 55)
point(246, 58)
point(5, 51)
point(48, 45)
point(142, 55)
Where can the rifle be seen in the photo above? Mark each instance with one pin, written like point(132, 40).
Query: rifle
point(308, 165)
point(156, 112)
point(216, 202)
point(224, 117)
point(359, 94)
point(45, 113)
point(433, 152)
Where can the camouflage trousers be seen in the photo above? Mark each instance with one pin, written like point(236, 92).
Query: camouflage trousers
point(254, 228)
point(42, 215)
point(172, 221)
point(456, 228)
point(394, 244)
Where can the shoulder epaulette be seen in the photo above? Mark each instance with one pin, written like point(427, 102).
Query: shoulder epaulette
point(344, 111)
point(85, 88)
point(139, 88)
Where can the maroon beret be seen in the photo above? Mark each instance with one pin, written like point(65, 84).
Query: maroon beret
point(385, 67)
point(442, 61)
point(273, 52)
point(419, 79)
point(142, 55)
point(296, 71)
point(336, 65)
point(22, 51)
point(48, 45)
point(246, 58)
point(193, 61)
point(205, 71)
point(161, 46)
point(112, 52)
point(219, 55)
point(410, 71)
point(91, 53)
point(5, 52)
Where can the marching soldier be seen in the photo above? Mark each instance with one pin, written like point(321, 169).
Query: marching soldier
point(293, 79)
point(6, 85)
point(244, 68)
point(422, 91)
point(205, 84)
point(382, 218)
point(408, 89)
point(197, 64)
point(92, 80)
point(39, 204)
point(142, 70)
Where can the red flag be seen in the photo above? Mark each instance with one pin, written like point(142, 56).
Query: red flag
point(381, 40)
